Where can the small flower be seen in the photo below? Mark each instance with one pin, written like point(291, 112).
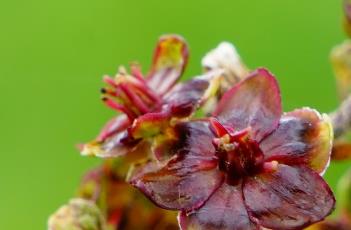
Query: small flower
point(78, 214)
point(255, 167)
point(150, 104)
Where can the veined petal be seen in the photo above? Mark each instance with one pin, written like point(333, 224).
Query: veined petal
point(225, 210)
point(253, 102)
point(302, 137)
point(189, 178)
point(289, 198)
point(170, 59)
point(186, 97)
point(181, 184)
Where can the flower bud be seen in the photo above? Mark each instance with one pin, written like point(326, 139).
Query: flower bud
point(78, 214)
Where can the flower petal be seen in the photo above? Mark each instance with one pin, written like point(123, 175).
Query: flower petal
point(186, 97)
point(303, 136)
point(113, 126)
point(188, 179)
point(253, 102)
point(226, 57)
point(117, 145)
point(289, 198)
point(225, 210)
point(109, 141)
point(170, 59)
point(150, 124)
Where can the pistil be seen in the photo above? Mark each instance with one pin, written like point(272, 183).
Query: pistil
point(238, 154)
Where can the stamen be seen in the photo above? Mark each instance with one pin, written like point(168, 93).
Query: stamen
point(136, 101)
point(110, 81)
point(107, 91)
point(149, 93)
point(136, 72)
point(112, 104)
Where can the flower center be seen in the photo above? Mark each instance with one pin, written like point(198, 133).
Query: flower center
point(238, 154)
point(130, 94)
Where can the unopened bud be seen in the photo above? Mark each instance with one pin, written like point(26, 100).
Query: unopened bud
point(78, 214)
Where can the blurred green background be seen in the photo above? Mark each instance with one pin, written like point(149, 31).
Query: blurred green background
point(53, 54)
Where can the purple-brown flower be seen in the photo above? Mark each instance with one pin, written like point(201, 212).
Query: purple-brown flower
point(149, 104)
point(249, 167)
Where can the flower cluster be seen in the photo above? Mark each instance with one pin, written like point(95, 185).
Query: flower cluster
point(216, 148)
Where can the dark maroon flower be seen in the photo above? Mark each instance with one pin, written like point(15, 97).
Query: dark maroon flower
point(149, 104)
point(255, 167)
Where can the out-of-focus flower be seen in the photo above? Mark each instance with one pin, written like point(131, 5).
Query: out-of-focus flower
point(124, 207)
point(257, 168)
point(341, 62)
point(78, 214)
point(341, 118)
point(151, 104)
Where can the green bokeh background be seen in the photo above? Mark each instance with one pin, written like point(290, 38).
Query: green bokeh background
point(53, 54)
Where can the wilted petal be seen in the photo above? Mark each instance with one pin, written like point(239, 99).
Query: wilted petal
point(341, 62)
point(253, 102)
point(186, 97)
point(224, 210)
point(189, 178)
point(302, 137)
point(289, 198)
point(170, 59)
point(226, 57)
